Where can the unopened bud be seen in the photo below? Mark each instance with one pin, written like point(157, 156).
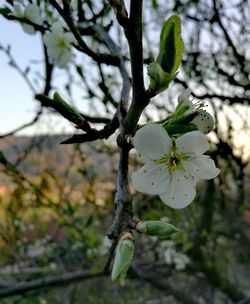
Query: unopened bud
point(156, 228)
point(184, 102)
point(123, 257)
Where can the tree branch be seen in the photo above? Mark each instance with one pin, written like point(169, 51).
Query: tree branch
point(123, 200)
point(237, 55)
point(134, 36)
point(94, 134)
point(58, 280)
point(179, 294)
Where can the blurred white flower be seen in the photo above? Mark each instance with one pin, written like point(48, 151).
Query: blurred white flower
point(180, 260)
point(16, 223)
point(42, 301)
point(172, 257)
point(53, 266)
point(58, 43)
point(32, 13)
point(175, 165)
point(168, 255)
point(165, 219)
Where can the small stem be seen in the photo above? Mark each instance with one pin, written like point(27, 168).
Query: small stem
point(110, 256)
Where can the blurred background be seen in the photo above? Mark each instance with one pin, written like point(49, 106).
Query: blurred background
point(56, 201)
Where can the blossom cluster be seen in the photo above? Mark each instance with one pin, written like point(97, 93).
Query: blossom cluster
point(57, 39)
point(58, 44)
point(175, 163)
point(31, 13)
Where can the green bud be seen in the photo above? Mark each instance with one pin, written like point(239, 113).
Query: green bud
point(123, 257)
point(156, 228)
point(159, 80)
point(63, 108)
point(184, 103)
point(66, 110)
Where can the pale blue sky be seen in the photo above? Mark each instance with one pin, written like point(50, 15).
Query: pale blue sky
point(17, 104)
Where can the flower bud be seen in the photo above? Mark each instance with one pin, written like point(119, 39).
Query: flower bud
point(123, 257)
point(184, 102)
point(156, 228)
point(204, 121)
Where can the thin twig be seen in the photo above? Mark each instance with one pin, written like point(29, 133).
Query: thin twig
point(58, 280)
point(24, 126)
point(123, 200)
point(94, 134)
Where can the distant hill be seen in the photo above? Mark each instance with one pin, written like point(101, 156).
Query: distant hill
point(33, 155)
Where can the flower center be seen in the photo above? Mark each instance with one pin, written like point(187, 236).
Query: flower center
point(173, 160)
point(61, 43)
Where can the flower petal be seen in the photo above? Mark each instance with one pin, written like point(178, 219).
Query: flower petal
point(180, 192)
point(152, 141)
point(192, 143)
point(18, 11)
point(64, 59)
point(184, 97)
point(57, 28)
point(204, 121)
point(201, 167)
point(151, 178)
point(69, 38)
point(32, 13)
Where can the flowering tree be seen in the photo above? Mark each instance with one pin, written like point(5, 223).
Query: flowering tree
point(174, 145)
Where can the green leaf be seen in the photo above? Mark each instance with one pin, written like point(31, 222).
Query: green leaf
point(5, 11)
point(159, 80)
point(171, 45)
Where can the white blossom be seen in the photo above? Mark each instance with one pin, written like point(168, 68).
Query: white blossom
point(31, 13)
point(58, 43)
point(204, 121)
point(174, 166)
point(187, 105)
